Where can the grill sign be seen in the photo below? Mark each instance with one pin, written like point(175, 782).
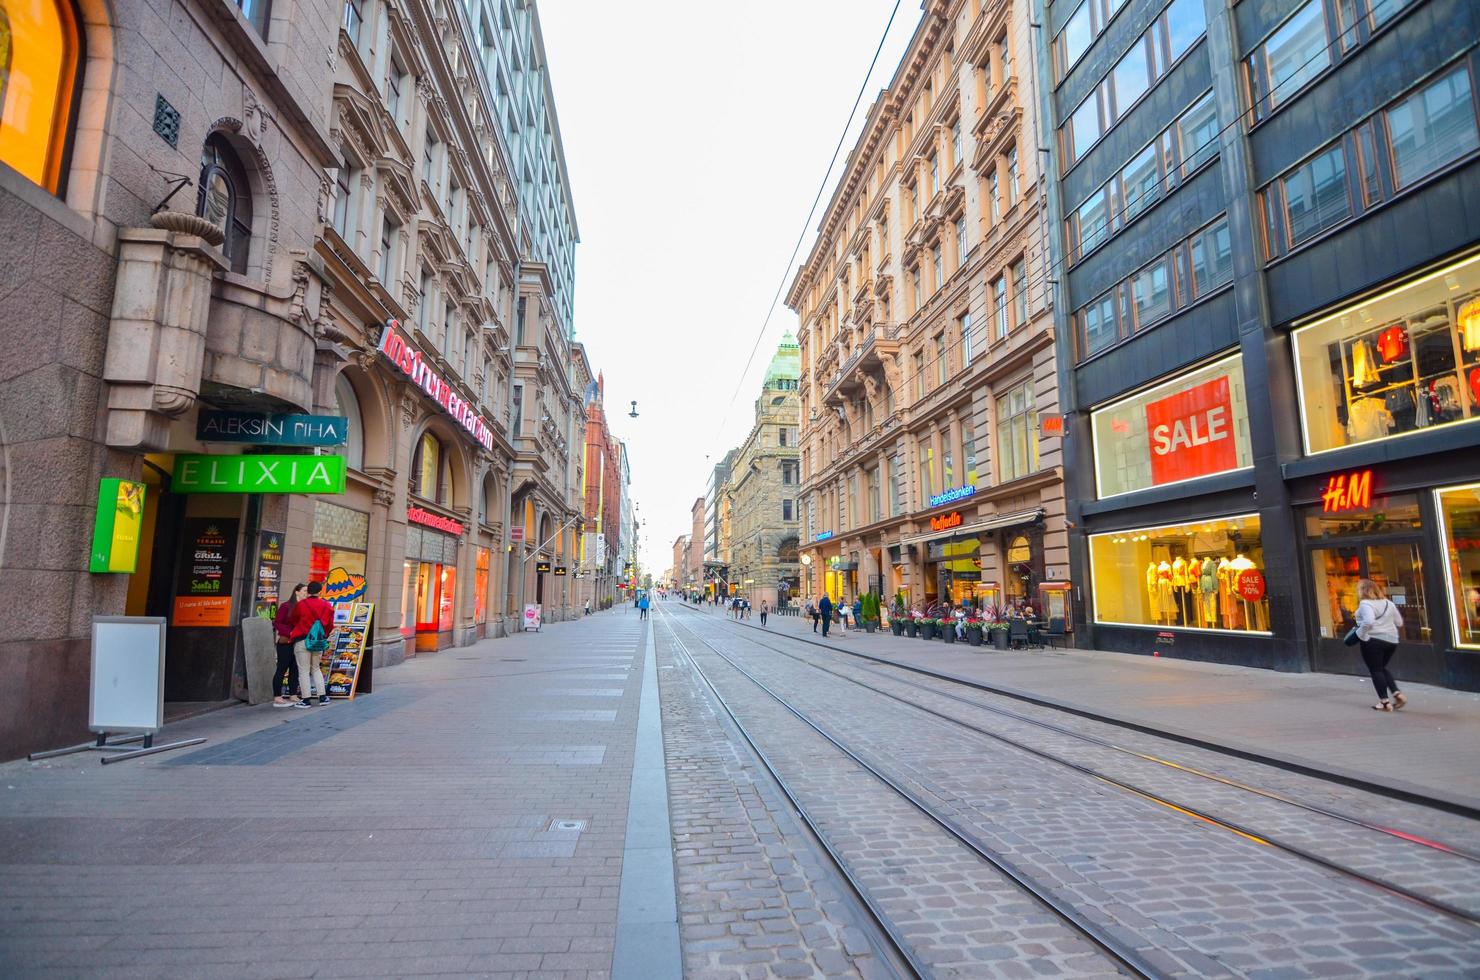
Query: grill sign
point(1192, 433)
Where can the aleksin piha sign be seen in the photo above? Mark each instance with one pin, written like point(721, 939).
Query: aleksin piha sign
point(258, 474)
point(272, 430)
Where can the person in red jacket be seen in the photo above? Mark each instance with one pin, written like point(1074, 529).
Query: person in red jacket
point(282, 629)
point(310, 610)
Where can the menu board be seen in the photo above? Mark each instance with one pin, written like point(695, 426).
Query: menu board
point(269, 574)
point(341, 662)
point(203, 584)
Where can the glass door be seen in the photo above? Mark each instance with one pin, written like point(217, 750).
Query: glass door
point(1396, 565)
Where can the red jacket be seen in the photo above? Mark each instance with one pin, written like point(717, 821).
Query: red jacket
point(286, 618)
point(308, 610)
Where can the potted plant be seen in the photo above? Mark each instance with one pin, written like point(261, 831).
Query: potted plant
point(911, 626)
point(927, 628)
point(948, 630)
point(974, 631)
point(870, 609)
point(998, 629)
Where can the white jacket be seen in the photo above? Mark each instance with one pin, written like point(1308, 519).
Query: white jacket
point(1378, 619)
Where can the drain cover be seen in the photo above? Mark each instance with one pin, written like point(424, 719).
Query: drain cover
point(512, 660)
point(567, 825)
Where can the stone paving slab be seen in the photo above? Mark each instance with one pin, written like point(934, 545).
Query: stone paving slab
point(1317, 720)
point(416, 830)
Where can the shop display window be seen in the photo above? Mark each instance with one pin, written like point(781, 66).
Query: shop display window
point(1190, 427)
point(1459, 517)
point(1381, 542)
point(1204, 575)
point(480, 599)
point(1403, 361)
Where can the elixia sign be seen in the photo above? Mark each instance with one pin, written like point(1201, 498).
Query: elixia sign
point(398, 351)
point(272, 430)
point(258, 474)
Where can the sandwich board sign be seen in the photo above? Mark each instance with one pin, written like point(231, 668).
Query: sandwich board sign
point(532, 613)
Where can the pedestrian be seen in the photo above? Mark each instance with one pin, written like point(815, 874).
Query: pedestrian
point(745, 607)
point(857, 612)
point(588, 607)
point(642, 605)
point(843, 609)
point(824, 610)
point(282, 628)
point(812, 614)
point(311, 611)
point(1377, 631)
point(765, 608)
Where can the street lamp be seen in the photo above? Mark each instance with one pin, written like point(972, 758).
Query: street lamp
point(633, 413)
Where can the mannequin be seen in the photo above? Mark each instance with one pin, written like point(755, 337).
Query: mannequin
point(1152, 595)
point(1179, 589)
point(1208, 587)
point(1164, 589)
point(1253, 612)
point(1226, 595)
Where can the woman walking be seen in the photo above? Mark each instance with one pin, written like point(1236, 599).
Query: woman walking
point(1378, 626)
point(282, 628)
point(765, 608)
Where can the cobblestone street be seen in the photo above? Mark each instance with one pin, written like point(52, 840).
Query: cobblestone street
point(487, 812)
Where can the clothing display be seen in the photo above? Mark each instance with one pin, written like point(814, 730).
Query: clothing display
point(1369, 419)
point(1468, 323)
point(1364, 365)
point(1445, 400)
point(1392, 344)
point(1199, 591)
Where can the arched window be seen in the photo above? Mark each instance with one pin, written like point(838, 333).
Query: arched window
point(348, 405)
point(485, 499)
point(40, 71)
point(225, 198)
point(426, 468)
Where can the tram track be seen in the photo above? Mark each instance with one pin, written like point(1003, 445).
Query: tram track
point(1468, 915)
point(1119, 953)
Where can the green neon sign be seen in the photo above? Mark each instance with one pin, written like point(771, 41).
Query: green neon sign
point(258, 474)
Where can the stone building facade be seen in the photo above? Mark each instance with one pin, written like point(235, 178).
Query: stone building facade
point(276, 212)
point(931, 461)
point(762, 489)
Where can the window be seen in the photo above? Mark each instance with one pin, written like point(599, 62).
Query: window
point(1197, 132)
point(1459, 522)
point(343, 189)
point(934, 168)
point(781, 436)
point(1294, 54)
point(788, 472)
point(1186, 22)
point(913, 197)
point(1132, 574)
point(1151, 294)
point(898, 493)
point(786, 509)
point(1432, 127)
point(1315, 196)
point(947, 463)
point(1083, 129)
point(963, 326)
point(256, 13)
point(1098, 327)
point(1131, 77)
point(873, 495)
point(386, 238)
point(940, 359)
point(915, 288)
point(348, 406)
point(1398, 363)
point(354, 17)
point(1141, 181)
point(393, 81)
point(1075, 39)
point(1012, 176)
point(999, 308)
point(1212, 258)
point(429, 470)
point(956, 142)
point(919, 374)
point(961, 241)
point(1092, 221)
point(927, 472)
point(1004, 58)
point(424, 301)
point(1017, 433)
point(937, 270)
point(225, 199)
point(1019, 293)
point(40, 62)
point(994, 199)
point(968, 448)
point(518, 410)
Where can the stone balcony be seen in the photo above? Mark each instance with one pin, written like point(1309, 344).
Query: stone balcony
point(866, 358)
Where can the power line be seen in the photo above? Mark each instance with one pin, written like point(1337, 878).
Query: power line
point(821, 189)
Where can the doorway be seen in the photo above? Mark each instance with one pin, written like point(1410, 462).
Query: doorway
point(1396, 564)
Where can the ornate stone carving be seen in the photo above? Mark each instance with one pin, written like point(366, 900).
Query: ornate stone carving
point(424, 88)
point(256, 117)
point(385, 496)
point(409, 407)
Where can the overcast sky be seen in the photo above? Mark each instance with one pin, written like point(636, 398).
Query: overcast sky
point(696, 134)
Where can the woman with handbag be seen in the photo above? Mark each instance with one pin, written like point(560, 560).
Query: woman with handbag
point(1378, 627)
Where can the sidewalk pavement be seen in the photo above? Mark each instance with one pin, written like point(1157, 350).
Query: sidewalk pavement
point(1321, 721)
point(470, 816)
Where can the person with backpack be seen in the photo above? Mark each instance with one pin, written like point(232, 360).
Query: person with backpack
point(287, 663)
point(313, 622)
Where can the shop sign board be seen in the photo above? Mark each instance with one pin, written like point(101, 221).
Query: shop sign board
point(1347, 491)
point(531, 616)
point(823, 536)
point(1050, 426)
point(203, 583)
point(400, 352)
point(946, 521)
point(262, 429)
point(117, 526)
point(559, 569)
point(516, 534)
point(195, 473)
point(435, 521)
point(1192, 433)
point(269, 574)
point(953, 495)
point(541, 567)
point(342, 660)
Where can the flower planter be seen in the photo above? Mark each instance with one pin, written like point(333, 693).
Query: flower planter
point(897, 628)
point(869, 625)
point(999, 639)
point(910, 628)
point(974, 637)
point(927, 631)
point(948, 633)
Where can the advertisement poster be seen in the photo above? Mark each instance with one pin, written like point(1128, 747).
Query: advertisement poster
point(268, 590)
point(532, 616)
point(117, 525)
point(342, 661)
point(1192, 433)
point(207, 560)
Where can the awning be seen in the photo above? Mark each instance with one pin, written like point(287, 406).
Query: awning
point(979, 527)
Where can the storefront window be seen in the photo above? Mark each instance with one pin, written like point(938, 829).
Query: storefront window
point(1203, 575)
point(39, 58)
point(1193, 426)
point(341, 537)
point(1403, 361)
point(480, 580)
point(1459, 516)
point(1380, 542)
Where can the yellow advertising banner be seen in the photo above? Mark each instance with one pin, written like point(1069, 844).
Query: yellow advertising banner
point(117, 526)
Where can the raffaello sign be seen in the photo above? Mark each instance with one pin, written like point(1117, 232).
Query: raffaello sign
point(400, 352)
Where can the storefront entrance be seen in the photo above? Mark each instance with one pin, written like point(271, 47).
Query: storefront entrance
point(430, 572)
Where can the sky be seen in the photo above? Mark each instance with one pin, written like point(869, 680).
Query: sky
point(697, 134)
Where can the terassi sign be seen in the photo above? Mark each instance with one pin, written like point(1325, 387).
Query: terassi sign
point(257, 474)
point(1192, 433)
point(399, 351)
point(272, 430)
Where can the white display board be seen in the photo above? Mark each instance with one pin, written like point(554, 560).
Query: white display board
point(127, 674)
point(532, 616)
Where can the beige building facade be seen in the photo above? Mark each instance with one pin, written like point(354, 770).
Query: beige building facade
point(763, 506)
point(931, 456)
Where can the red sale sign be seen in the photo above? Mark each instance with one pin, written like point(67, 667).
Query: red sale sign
point(1191, 433)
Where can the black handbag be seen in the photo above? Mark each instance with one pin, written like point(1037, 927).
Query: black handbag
point(1351, 639)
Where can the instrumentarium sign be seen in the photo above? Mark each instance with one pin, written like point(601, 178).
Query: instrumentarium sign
point(258, 474)
point(399, 351)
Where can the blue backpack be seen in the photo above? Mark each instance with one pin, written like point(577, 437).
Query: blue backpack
point(317, 641)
